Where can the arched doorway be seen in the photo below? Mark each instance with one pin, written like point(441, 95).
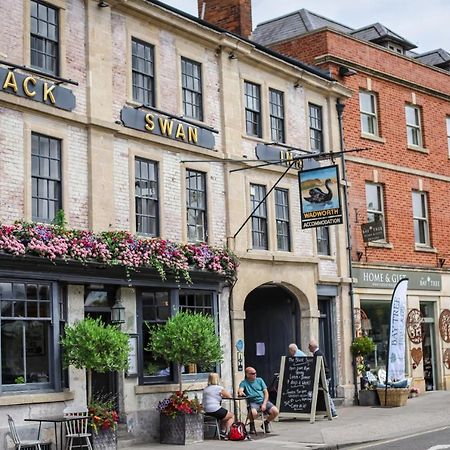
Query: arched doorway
point(272, 322)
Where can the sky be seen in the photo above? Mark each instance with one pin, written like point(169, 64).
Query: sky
point(425, 23)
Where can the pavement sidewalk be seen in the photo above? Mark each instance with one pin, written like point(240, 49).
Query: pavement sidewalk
point(354, 425)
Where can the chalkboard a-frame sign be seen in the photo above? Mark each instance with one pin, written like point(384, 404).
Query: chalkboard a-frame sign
point(300, 395)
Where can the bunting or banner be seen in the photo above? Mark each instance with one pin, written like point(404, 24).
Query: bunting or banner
point(397, 335)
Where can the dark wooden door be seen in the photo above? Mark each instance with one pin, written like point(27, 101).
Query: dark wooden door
point(326, 338)
point(271, 324)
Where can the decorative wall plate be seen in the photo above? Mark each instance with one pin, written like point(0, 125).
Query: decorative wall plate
point(446, 358)
point(416, 355)
point(414, 326)
point(444, 325)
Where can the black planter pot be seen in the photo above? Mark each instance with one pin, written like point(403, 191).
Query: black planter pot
point(181, 430)
point(368, 398)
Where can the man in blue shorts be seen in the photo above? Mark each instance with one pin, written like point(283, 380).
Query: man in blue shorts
point(255, 388)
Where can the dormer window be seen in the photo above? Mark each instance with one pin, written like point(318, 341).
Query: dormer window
point(395, 48)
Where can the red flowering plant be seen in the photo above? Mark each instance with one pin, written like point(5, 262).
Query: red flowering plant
point(102, 415)
point(179, 403)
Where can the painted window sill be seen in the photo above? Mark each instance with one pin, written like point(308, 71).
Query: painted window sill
point(416, 148)
point(22, 398)
point(373, 137)
point(380, 245)
point(425, 249)
point(163, 388)
point(324, 257)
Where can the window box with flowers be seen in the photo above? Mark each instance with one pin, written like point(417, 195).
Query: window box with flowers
point(115, 248)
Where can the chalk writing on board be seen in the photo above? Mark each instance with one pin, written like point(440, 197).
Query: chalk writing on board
point(297, 386)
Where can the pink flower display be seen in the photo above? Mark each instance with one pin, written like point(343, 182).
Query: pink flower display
point(116, 248)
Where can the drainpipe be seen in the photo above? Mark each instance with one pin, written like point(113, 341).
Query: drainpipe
point(340, 110)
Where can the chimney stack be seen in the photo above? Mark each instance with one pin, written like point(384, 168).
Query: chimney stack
point(231, 15)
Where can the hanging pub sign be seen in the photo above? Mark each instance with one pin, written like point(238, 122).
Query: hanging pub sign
point(319, 197)
point(372, 231)
point(163, 125)
point(28, 86)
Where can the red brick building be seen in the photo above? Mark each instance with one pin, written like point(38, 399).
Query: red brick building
point(400, 111)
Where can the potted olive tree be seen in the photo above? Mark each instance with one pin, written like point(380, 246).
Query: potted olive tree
point(361, 347)
point(91, 345)
point(186, 338)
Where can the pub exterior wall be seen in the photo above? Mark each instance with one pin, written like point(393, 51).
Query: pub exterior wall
point(98, 155)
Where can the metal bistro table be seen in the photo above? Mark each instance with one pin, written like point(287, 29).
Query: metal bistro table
point(236, 407)
point(61, 419)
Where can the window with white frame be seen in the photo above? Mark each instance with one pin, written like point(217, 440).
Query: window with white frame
point(413, 126)
point(196, 206)
point(191, 82)
point(375, 204)
point(259, 217)
point(282, 219)
point(323, 240)
point(44, 37)
point(448, 133)
point(315, 127)
point(253, 120)
point(368, 112)
point(143, 72)
point(420, 218)
point(146, 197)
point(276, 103)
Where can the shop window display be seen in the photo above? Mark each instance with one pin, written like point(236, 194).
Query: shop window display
point(377, 327)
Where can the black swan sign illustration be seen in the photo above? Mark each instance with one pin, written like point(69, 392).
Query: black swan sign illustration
point(320, 199)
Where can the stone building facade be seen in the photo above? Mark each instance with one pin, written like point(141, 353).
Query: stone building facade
point(125, 116)
point(399, 112)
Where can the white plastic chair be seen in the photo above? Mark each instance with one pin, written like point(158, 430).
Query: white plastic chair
point(19, 443)
point(77, 428)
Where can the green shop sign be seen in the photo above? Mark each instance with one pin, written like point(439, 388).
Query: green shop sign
point(386, 279)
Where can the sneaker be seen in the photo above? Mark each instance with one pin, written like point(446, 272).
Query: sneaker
point(252, 429)
point(266, 426)
point(224, 435)
point(334, 415)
